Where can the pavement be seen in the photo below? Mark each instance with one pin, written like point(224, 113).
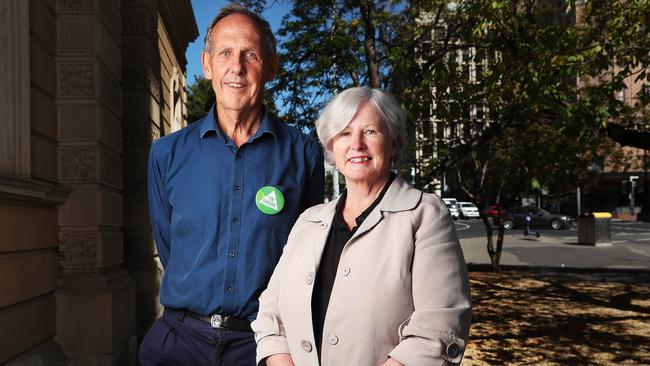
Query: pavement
point(558, 252)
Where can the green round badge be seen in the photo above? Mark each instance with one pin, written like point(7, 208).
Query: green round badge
point(269, 200)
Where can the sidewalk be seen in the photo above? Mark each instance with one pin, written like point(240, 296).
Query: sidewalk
point(552, 252)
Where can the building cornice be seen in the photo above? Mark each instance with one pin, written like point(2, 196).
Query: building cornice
point(180, 24)
point(22, 189)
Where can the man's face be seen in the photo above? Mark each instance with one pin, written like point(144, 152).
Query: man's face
point(237, 64)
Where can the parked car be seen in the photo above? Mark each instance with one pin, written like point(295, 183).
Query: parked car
point(468, 210)
point(451, 204)
point(539, 218)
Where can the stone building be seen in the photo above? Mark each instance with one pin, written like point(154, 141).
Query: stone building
point(85, 87)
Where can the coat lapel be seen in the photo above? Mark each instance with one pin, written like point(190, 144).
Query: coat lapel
point(400, 196)
point(322, 221)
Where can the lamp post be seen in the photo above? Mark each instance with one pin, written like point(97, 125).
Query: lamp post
point(633, 179)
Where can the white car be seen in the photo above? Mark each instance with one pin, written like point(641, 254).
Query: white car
point(452, 206)
point(468, 210)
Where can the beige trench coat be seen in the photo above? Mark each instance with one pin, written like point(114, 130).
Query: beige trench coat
point(401, 288)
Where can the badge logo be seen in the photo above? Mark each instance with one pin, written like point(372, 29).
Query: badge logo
point(269, 200)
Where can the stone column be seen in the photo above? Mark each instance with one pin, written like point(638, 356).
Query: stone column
point(95, 296)
point(141, 125)
point(15, 89)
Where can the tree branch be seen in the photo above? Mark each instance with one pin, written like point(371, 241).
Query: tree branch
point(628, 137)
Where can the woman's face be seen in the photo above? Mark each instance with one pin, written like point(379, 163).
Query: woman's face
point(362, 152)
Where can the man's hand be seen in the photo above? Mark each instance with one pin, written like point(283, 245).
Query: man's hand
point(392, 362)
point(280, 359)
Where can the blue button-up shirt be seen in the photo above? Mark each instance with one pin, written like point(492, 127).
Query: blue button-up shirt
point(218, 249)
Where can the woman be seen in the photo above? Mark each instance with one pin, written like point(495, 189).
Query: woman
point(376, 277)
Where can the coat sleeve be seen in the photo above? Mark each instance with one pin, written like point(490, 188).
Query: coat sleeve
point(269, 330)
point(436, 333)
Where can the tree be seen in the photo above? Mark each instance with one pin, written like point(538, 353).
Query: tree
point(538, 60)
point(329, 46)
point(200, 97)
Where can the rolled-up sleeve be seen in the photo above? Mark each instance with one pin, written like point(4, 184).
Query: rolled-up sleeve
point(439, 326)
point(159, 207)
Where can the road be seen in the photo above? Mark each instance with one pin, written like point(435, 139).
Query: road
point(623, 232)
point(630, 247)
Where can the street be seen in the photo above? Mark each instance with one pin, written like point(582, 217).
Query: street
point(623, 232)
point(630, 247)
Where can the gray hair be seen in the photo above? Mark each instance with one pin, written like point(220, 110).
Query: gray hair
point(340, 111)
point(268, 39)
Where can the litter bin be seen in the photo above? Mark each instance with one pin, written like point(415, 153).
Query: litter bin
point(594, 228)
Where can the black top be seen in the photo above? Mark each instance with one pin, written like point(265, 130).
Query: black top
point(337, 238)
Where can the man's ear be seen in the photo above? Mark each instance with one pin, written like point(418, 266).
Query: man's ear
point(205, 63)
point(272, 67)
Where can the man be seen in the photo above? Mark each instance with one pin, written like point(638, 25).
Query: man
point(224, 193)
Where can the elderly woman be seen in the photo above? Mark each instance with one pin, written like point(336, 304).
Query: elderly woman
point(376, 277)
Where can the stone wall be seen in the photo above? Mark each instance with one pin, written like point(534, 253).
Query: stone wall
point(83, 97)
point(28, 176)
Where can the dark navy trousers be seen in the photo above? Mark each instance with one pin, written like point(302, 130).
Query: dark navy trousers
point(178, 340)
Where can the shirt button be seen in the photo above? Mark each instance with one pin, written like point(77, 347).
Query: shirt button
point(235, 220)
point(453, 350)
point(346, 271)
point(237, 188)
point(306, 345)
point(229, 288)
point(238, 156)
point(333, 339)
point(232, 254)
point(310, 278)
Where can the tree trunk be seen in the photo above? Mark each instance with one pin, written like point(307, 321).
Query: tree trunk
point(369, 44)
point(495, 253)
point(497, 261)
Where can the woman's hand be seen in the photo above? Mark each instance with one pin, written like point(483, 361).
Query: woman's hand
point(392, 362)
point(280, 359)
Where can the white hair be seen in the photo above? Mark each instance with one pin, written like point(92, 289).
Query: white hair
point(340, 111)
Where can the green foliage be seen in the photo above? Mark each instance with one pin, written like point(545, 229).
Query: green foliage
point(327, 46)
point(540, 69)
point(519, 91)
point(200, 97)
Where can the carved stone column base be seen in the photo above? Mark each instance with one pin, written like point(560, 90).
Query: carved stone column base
point(95, 317)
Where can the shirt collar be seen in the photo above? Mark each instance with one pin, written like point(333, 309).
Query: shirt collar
point(209, 123)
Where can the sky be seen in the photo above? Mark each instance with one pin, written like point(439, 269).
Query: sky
point(204, 12)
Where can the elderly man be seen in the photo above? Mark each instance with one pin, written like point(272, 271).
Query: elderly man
point(224, 193)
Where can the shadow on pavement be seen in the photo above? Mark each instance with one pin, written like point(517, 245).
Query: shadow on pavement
point(559, 317)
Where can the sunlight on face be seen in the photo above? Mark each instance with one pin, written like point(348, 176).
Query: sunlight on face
point(362, 151)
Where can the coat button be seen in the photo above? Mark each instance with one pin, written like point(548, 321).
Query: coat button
point(310, 278)
point(453, 350)
point(306, 345)
point(333, 339)
point(346, 271)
